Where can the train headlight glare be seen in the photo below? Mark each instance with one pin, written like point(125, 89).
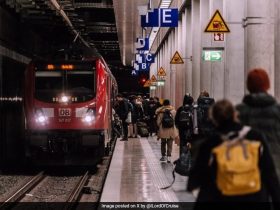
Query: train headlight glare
point(64, 99)
point(89, 116)
point(88, 119)
point(40, 118)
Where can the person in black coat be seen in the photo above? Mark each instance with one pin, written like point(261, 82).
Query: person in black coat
point(261, 111)
point(122, 110)
point(185, 128)
point(203, 176)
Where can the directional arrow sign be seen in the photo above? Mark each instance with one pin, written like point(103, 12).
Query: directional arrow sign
point(212, 55)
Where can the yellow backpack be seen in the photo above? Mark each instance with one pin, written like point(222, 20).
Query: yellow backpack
point(238, 165)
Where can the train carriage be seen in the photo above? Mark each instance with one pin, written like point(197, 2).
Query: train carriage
point(68, 109)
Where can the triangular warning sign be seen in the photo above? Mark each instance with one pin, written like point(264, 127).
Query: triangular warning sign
point(177, 59)
point(153, 78)
point(147, 83)
point(217, 24)
point(161, 72)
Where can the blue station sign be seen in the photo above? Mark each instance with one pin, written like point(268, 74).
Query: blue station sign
point(142, 44)
point(160, 18)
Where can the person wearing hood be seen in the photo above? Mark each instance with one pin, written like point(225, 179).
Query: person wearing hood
point(184, 121)
point(261, 111)
point(166, 134)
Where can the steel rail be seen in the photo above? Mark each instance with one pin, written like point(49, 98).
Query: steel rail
point(78, 188)
point(23, 189)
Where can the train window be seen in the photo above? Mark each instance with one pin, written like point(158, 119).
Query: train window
point(79, 84)
point(48, 85)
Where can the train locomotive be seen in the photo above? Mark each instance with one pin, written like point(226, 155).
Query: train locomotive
point(68, 111)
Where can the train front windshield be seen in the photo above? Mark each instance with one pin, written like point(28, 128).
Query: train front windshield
point(78, 84)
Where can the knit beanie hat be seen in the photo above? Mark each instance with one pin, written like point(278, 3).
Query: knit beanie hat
point(258, 81)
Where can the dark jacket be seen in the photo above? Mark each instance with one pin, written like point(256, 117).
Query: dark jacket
point(187, 106)
point(205, 126)
point(203, 175)
point(152, 107)
point(262, 112)
point(137, 112)
point(122, 109)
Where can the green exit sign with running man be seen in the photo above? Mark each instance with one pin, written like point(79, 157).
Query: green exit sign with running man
point(212, 55)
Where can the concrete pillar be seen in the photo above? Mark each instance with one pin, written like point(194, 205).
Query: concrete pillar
point(277, 49)
point(152, 71)
point(206, 38)
point(196, 48)
point(234, 51)
point(217, 67)
point(172, 67)
point(260, 37)
point(188, 47)
point(184, 52)
point(179, 68)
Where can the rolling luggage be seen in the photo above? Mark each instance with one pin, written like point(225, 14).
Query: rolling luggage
point(142, 129)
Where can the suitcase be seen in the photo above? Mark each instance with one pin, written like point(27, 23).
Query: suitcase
point(142, 129)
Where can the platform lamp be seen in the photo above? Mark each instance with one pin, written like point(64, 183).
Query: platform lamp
point(160, 81)
point(153, 85)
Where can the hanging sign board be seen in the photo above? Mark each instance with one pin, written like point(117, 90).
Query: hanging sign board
point(147, 83)
point(217, 24)
point(219, 37)
point(213, 55)
point(161, 72)
point(176, 59)
point(153, 78)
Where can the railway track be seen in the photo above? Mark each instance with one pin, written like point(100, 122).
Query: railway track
point(20, 193)
point(65, 189)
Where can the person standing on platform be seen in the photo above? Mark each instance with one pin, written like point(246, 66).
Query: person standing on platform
point(234, 165)
point(137, 114)
point(167, 130)
point(203, 127)
point(261, 111)
point(184, 121)
point(158, 104)
point(203, 123)
point(152, 107)
point(131, 107)
point(122, 110)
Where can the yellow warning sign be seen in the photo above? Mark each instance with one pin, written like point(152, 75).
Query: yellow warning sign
point(153, 78)
point(147, 83)
point(217, 24)
point(161, 72)
point(177, 59)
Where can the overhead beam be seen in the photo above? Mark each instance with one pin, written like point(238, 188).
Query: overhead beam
point(93, 5)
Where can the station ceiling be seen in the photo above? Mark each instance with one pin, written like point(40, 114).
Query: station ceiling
point(93, 20)
point(109, 26)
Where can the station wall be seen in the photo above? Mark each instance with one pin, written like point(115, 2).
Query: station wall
point(253, 42)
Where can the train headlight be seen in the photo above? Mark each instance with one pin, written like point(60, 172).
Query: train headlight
point(40, 117)
point(89, 116)
point(64, 99)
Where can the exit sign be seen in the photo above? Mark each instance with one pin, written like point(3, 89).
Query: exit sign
point(212, 55)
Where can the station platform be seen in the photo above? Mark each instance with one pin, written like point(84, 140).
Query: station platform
point(136, 174)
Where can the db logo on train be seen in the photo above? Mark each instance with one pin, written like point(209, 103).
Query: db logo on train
point(64, 112)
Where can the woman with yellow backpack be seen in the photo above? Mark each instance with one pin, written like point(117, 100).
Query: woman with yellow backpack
point(234, 166)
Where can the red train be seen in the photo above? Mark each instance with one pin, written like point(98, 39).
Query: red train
point(68, 109)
